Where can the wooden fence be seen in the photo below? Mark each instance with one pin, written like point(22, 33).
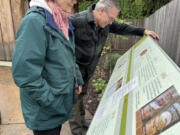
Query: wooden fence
point(165, 22)
point(10, 16)
point(121, 44)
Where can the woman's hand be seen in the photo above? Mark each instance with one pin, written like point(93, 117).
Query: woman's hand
point(78, 90)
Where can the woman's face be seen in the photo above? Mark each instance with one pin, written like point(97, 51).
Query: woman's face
point(71, 3)
point(66, 4)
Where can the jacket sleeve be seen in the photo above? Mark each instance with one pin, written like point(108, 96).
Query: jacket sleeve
point(126, 29)
point(29, 59)
point(74, 20)
point(79, 76)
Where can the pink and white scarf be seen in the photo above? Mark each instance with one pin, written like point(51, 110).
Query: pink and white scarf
point(60, 17)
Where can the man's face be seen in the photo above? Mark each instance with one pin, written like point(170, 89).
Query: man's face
point(107, 17)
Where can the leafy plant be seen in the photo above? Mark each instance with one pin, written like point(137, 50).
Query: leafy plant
point(105, 50)
point(100, 72)
point(99, 84)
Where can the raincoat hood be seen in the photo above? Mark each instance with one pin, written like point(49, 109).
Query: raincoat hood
point(40, 3)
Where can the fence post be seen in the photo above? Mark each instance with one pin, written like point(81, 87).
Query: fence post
point(0, 118)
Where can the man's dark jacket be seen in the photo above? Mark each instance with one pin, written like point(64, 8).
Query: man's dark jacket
point(90, 39)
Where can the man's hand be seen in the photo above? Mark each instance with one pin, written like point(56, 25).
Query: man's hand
point(78, 90)
point(152, 34)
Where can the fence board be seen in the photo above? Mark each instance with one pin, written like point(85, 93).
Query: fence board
point(175, 32)
point(6, 21)
point(0, 34)
point(177, 60)
point(119, 43)
point(166, 22)
point(1, 42)
point(7, 27)
point(17, 14)
point(2, 55)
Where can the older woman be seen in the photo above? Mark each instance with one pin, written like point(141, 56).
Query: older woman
point(44, 65)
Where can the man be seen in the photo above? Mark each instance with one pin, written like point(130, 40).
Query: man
point(91, 31)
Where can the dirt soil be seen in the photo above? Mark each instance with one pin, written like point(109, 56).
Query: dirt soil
point(91, 100)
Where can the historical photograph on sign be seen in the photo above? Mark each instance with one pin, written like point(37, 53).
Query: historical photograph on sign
point(115, 87)
point(159, 114)
point(143, 52)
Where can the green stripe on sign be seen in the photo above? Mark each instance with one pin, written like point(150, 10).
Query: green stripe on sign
point(124, 116)
point(129, 67)
point(125, 104)
point(138, 43)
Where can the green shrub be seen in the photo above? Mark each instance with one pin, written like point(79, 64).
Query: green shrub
point(99, 84)
point(84, 5)
point(111, 60)
point(132, 8)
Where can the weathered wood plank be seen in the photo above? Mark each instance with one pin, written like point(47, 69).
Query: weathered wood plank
point(2, 54)
point(7, 27)
point(6, 21)
point(0, 35)
point(119, 43)
point(166, 22)
point(176, 31)
point(177, 60)
point(17, 13)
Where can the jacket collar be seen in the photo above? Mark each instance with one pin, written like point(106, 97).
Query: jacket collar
point(90, 16)
point(50, 21)
point(40, 3)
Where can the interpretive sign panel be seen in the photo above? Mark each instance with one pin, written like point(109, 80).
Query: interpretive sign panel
point(142, 96)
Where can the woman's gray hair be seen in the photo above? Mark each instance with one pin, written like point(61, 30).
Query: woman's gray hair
point(107, 4)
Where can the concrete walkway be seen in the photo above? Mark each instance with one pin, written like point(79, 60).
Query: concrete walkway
point(11, 115)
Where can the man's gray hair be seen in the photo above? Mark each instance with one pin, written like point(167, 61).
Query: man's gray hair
point(107, 4)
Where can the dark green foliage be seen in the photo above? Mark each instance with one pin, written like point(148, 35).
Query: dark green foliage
point(140, 8)
point(132, 8)
point(84, 5)
point(111, 60)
